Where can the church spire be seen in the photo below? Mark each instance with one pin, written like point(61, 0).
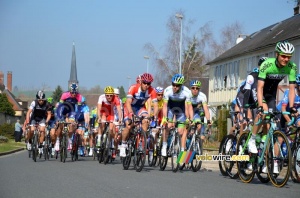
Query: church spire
point(73, 73)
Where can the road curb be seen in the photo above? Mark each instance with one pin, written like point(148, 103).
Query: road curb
point(10, 152)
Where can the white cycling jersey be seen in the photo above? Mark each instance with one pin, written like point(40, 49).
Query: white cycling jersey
point(201, 97)
point(184, 95)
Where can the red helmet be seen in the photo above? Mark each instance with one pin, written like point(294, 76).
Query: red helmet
point(146, 77)
point(138, 79)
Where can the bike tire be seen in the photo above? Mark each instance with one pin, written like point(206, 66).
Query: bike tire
point(106, 150)
point(140, 150)
point(245, 175)
point(198, 148)
point(127, 159)
point(295, 172)
point(222, 150)
point(231, 166)
point(35, 147)
point(280, 179)
point(64, 149)
point(175, 150)
point(150, 146)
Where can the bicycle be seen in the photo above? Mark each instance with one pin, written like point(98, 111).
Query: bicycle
point(75, 146)
point(35, 142)
point(194, 144)
point(151, 146)
point(105, 148)
point(295, 149)
point(266, 155)
point(136, 145)
point(64, 141)
point(173, 149)
point(47, 145)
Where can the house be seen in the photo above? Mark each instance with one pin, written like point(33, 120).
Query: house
point(231, 68)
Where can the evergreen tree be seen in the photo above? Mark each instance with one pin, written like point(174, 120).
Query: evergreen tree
point(57, 94)
point(122, 92)
point(5, 106)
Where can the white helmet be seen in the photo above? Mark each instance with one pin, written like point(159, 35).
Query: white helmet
point(284, 47)
point(116, 91)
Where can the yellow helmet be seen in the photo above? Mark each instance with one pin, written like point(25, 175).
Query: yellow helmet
point(109, 90)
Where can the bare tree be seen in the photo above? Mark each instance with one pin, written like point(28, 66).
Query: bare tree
point(198, 48)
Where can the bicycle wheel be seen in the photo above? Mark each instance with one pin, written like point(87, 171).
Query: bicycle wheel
point(230, 149)
point(295, 173)
point(222, 151)
point(140, 151)
point(106, 150)
point(63, 154)
point(175, 150)
point(127, 159)
point(197, 147)
point(245, 174)
point(279, 166)
point(150, 146)
point(34, 147)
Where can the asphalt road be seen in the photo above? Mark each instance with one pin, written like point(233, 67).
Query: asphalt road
point(22, 178)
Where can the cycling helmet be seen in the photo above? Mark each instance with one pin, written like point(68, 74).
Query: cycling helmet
point(178, 79)
point(256, 70)
point(83, 100)
point(138, 79)
point(74, 88)
point(116, 91)
point(261, 60)
point(298, 79)
point(109, 90)
point(196, 83)
point(159, 90)
point(146, 77)
point(284, 47)
point(50, 100)
point(40, 95)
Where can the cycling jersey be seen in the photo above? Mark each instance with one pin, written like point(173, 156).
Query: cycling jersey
point(139, 97)
point(39, 112)
point(107, 108)
point(272, 75)
point(285, 101)
point(247, 93)
point(197, 103)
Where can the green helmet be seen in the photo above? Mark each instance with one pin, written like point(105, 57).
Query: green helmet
point(178, 79)
point(124, 100)
point(50, 100)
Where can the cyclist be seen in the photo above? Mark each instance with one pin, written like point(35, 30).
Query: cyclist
point(177, 103)
point(106, 104)
point(247, 94)
point(93, 129)
point(66, 110)
point(51, 124)
point(283, 105)
point(83, 118)
point(137, 96)
point(199, 103)
point(38, 112)
point(271, 72)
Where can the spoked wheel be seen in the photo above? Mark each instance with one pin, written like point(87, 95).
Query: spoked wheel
point(198, 149)
point(263, 177)
point(34, 152)
point(140, 151)
point(63, 151)
point(245, 174)
point(175, 150)
point(230, 149)
point(127, 159)
point(46, 150)
point(222, 151)
point(295, 173)
point(278, 164)
point(150, 146)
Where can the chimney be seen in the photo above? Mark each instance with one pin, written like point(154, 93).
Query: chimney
point(1, 78)
point(296, 9)
point(9, 81)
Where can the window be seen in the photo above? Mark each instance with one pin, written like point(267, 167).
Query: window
point(249, 65)
point(232, 73)
point(236, 72)
point(216, 78)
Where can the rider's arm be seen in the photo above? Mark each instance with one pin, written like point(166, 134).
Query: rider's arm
point(48, 116)
point(260, 89)
point(206, 113)
point(291, 94)
point(28, 115)
point(128, 105)
point(120, 112)
point(99, 106)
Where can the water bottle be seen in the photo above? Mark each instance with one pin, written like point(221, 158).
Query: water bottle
point(284, 149)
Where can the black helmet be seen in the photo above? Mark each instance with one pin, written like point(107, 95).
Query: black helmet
point(40, 95)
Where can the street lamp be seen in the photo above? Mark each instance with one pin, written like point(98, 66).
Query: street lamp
point(147, 58)
point(128, 77)
point(179, 16)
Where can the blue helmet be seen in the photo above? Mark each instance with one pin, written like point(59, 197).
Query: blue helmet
point(178, 79)
point(196, 83)
point(159, 90)
point(256, 70)
point(83, 100)
point(74, 88)
point(298, 79)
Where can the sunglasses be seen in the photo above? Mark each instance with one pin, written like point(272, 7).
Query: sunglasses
point(109, 95)
point(195, 88)
point(41, 100)
point(159, 94)
point(285, 56)
point(175, 85)
point(146, 83)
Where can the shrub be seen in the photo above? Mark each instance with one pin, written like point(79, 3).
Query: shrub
point(7, 130)
point(3, 139)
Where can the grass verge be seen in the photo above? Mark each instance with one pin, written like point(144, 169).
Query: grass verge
point(11, 145)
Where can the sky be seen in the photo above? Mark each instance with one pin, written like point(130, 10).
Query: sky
point(36, 36)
